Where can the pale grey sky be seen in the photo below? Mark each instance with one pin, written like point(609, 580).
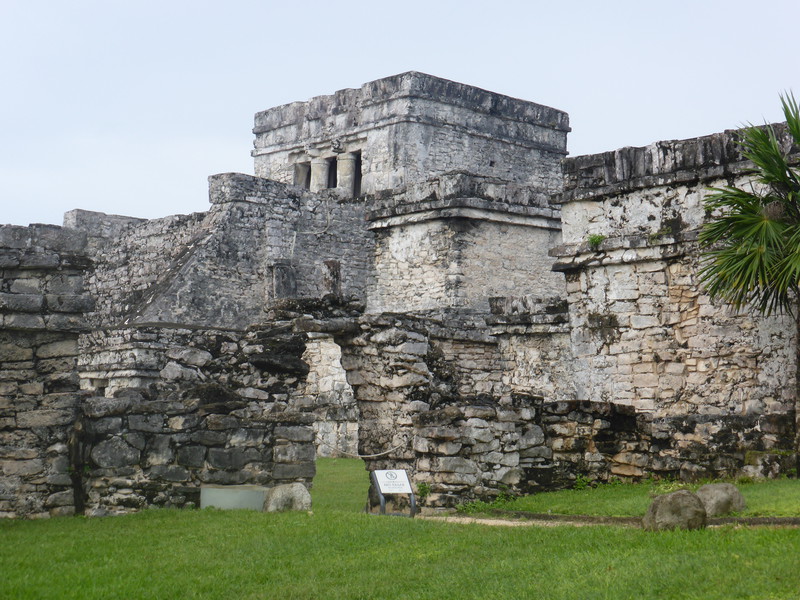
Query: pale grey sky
point(127, 107)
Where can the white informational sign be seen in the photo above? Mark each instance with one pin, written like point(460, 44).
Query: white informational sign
point(393, 482)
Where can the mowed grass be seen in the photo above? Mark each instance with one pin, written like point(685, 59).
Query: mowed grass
point(774, 498)
point(339, 552)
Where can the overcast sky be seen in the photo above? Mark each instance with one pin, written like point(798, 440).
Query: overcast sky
point(127, 107)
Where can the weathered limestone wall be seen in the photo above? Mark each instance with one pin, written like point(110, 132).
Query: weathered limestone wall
point(533, 338)
point(410, 127)
point(134, 251)
point(181, 408)
point(418, 412)
point(458, 240)
point(459, 263)
point(42, 306)
point(260, 241)
point(140, 452)
point(644, 333)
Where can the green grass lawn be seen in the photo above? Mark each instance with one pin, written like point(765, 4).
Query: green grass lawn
point(339, 552)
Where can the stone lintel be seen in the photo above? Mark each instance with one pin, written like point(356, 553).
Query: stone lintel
point(465, 212)
point(358, 133)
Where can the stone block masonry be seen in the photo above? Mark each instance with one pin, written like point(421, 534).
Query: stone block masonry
point(455, 241)
point(186, 407)
point(643, 331)
point(261, 241)
point(385, 285)
point(42, 307)
point(406, 129)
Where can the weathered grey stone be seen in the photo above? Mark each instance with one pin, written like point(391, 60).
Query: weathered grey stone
point(294, 434)
point(173, 371)
point(291, 496)
point(45, 418)
point(533, 437)
point(677, 510)
point(169, 473)
point(23, 321)
point(210, 438)
point(222, 422)
point(191, 456)
point(69, 303)
point(14, 353)
point(105, 407)
point(115, 453)
point(65, 498)
point(294, 453)
point(294, 471)
point(159, 451)
point(226, 458)
point(105, 426)
point(456, 465)
point(721, 499)
point(149, 423)
point(190, 356)
point(21, 467)
point(26, 303)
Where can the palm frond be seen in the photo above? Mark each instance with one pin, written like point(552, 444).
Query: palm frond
point(791, 112)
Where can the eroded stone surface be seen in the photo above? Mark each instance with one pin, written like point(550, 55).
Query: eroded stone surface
point(677, 510)
point(721, 499)
point(290, 496)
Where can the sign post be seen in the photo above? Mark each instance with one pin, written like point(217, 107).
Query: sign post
point(393, 482)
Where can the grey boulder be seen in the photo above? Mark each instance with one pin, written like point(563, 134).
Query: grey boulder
point(678, 510)
point(290, 496)
point(721, 499)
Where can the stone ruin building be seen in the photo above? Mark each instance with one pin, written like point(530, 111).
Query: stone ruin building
point(416, 273)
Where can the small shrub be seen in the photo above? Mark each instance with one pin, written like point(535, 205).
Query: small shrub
point(423, 490)
point(595, 240)
point(475, 507)
point(582, 482)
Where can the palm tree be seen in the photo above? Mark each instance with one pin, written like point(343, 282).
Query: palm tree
point(751, 240)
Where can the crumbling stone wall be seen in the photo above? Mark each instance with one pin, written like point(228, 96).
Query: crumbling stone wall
point(533, 338)
point(42, 306)
point(185, 407)
point(261, 241)
point(643, 331)
point(138, 452)
point(414, 413)
point(133, 251)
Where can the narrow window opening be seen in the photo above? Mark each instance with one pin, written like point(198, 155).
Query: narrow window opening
point(331, 172)
point(332, 278)
point(357, 177)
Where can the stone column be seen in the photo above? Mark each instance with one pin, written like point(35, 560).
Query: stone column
point(302, 177)
point(346, 172)
point(319, 174)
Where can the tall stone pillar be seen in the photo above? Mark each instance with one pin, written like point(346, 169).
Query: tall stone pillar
point(346, 172)
point(319, 174)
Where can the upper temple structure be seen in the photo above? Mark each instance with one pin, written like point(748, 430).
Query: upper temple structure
point(416, 274)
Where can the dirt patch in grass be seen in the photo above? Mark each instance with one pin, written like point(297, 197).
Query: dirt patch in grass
point(515, 518)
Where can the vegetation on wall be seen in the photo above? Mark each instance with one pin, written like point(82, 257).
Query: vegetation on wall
point(751, 240)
